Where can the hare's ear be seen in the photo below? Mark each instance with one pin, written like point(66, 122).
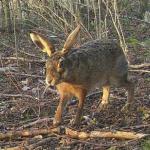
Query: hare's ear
point(42, 43)
point(71, 39)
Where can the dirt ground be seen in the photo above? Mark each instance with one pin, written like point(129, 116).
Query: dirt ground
point(23, 105)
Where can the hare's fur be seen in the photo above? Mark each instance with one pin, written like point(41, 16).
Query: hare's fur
point(76, 71)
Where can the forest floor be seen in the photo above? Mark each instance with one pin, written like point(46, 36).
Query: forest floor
point(23, 106)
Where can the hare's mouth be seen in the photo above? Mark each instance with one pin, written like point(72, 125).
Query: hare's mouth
point(52, 82)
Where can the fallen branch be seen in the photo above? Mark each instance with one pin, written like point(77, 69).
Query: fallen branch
point(27, 75)
point(104, 134)
point(14, 148)
point(22, 59)
point(35, 122)
point(28, 133)
point(140, 70)
point(16, 95)
point(138, 126)
point(134, 18)
point(139, 66)
point(40, 143)
point(4, 69)
point(73, 133)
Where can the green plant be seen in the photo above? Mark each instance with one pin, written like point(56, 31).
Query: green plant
point(146, 144)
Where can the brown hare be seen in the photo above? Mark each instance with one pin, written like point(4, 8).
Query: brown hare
point(76, 71)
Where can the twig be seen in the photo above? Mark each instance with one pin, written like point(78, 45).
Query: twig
point(35, 122)
point(93, 93)
point(11, 144)
point(16, 95)
point(3, 69)
point(40, 143)
point(28, 75)
point(137, 126)
point(100, 145)
point(14, 148)
point(28, 54)
point(140, 70)
point(22, 59)
point(139, 66)
point(133, 18)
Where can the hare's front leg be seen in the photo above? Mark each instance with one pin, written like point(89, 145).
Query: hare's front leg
point(105, 97)
point(58, 114)
point(81, 95)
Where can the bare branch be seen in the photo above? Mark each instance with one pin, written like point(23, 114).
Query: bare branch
point(22, 59)
point(139, 66)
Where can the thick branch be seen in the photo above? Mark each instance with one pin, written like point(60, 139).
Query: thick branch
point(27, 133)
point(104, 134)
point(73, 133)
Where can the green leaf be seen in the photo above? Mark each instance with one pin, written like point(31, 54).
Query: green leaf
point(146, 145)
point(112, 148)
point(146, 43)
point(133, 41)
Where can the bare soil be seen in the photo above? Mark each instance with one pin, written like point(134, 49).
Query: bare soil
point(22, 105)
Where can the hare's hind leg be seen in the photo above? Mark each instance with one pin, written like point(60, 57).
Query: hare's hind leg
point(130, 89)
point(105, 97)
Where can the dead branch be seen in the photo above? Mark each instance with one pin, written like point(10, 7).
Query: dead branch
point(4, 69)
point(40, 143)
point(73, 133)
point(22, 59)
point(134, 18)
point(35, 122)
point(104, 134)
point(13, 148)
point(140, 70)
point(138, 126)
point(28, 133)
point(93, 93)
point(16, 95)
point(139, 66)
point(27, 75)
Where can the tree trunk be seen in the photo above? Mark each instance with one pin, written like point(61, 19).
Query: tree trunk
point(7, 16)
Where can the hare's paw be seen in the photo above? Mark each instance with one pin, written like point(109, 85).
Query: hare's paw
point(75, 123)
point(126, 107)
point(102, 106)
point(56, 122)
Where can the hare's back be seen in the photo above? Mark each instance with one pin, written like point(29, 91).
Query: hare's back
point(104, 54)
point(95, 61)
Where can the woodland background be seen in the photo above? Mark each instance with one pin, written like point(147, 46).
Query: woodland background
point(22, 71)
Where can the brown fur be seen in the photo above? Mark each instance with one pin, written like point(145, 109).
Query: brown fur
point(75, 72)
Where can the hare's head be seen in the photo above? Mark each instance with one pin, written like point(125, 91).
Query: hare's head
point(54, 64)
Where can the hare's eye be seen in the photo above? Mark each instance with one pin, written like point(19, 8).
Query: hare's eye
point(61, 63)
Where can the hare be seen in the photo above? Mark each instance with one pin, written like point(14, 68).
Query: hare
point(76, 71)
